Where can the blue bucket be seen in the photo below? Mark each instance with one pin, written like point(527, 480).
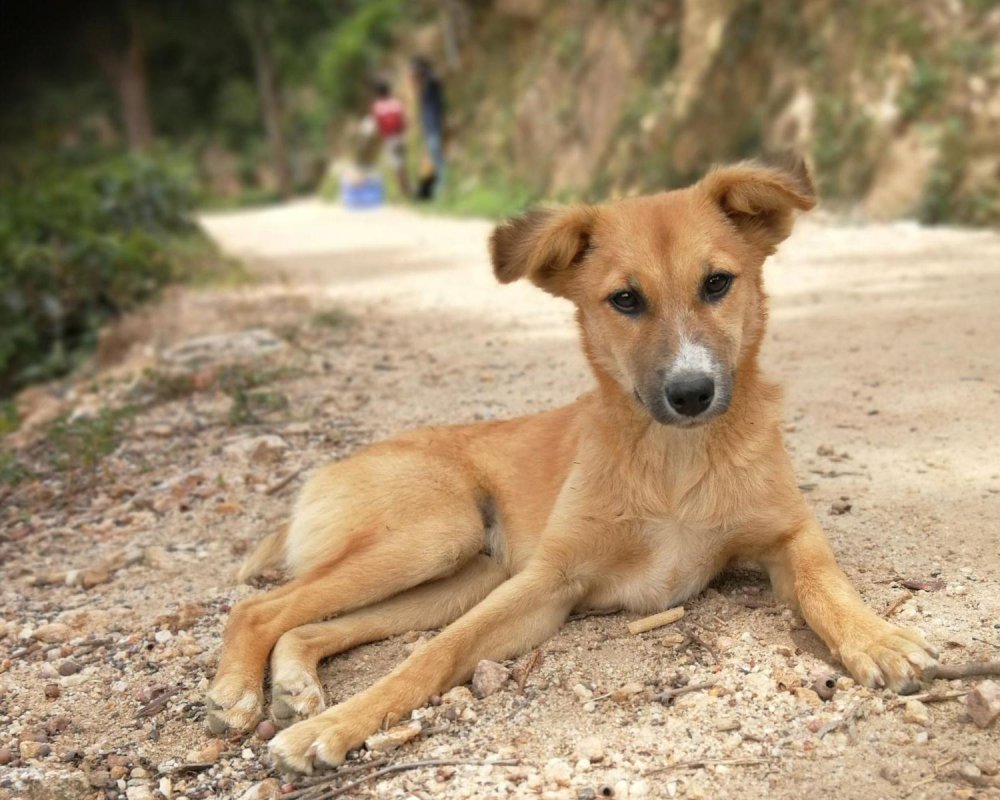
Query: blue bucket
point(366, 193)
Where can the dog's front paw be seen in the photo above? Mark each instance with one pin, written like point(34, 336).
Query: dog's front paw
point(232, 705)
point(295, 695)
point(316, 743)
point(881, 654)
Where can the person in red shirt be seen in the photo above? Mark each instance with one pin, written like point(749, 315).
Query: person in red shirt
point(390, 119)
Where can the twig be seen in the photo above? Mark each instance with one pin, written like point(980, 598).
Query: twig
point(321, 792)
point(607, 612)
point(155, 706)
point(530, 666)
point(310, 783)
point(931, 697)
point(667, 617)
point(974, 669)
point(896, 605)
point(667, 696)
point(277, 486)
point(703, 645)
point(701, 763)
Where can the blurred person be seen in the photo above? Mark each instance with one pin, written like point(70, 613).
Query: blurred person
point(430, 98)
point(390, 119)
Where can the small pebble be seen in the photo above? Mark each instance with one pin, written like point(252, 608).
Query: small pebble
point(557, 771)
point(52, 691)
point(916, 713)
point(5, 756)
point(69, 667)
point(591, 748)
point(488, 678)
point(266, 730)
point(983, 703)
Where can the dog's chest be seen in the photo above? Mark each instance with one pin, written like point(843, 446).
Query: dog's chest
point(676, 561)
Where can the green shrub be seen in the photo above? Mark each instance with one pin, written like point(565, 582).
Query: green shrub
point(79, 245)
point(355, 47)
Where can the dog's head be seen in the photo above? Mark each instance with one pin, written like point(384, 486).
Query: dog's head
point(668, 287)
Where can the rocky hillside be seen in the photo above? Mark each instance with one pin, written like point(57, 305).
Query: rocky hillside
point(897, 104)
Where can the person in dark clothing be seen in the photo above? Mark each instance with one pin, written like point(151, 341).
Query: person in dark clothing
point(430, 98)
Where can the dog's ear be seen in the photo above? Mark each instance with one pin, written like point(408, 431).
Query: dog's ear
point(761, 201)
point(542, 245)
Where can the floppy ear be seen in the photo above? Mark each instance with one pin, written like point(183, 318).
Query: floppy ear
point(542, 245)
point(761, 201)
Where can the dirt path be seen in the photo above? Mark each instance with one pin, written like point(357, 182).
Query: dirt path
point(886, 340)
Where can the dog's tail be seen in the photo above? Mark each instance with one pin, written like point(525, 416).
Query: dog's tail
point(269, 552)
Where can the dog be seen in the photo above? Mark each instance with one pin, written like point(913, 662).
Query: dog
point(632, 497)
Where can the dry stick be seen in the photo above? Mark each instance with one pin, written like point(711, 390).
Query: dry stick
point(974, 669)
point(607, 612)
point(276, 487)
point(931, 697)
point(310, 783)
point(667, 696)
point(656, 621)
point(701, 763)
point(896, 605)
point(324, 793)
point(529, 667)
point(155, 706)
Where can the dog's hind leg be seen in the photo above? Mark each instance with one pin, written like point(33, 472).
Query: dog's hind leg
point(296, 692)
point(350, 545)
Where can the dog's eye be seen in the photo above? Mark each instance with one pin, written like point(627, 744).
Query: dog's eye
point(717, 285)
point(627, 302)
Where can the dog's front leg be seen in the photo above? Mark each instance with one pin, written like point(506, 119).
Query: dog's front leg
point(804, 571)
point(516, 616)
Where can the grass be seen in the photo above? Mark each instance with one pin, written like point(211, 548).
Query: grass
point(81, 443)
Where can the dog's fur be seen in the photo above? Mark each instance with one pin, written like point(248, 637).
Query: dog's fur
point(499, 530)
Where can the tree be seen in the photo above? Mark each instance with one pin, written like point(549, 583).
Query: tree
point(258, 26)
point(125, 69)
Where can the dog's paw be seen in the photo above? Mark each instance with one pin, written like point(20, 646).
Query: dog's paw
point(886, 655)
point(316, 743)
point(295, 695)
point(232, 706)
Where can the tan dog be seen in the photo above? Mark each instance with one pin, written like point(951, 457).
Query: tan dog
point(634, 496)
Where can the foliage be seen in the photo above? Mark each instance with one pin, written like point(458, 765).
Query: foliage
point(351, 56)
point(82, 442)
point(79, 245)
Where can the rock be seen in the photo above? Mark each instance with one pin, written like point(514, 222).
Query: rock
point(983, 703)
point(52, 691)
point(459, 696)
point(100, 779)
point(583, 692)
point(69, 667)
point(163, 636)
point(264, 449)
point(387, 741)
point(916, 713)
point(30, 749)
point(266, 730)
point(488, 678)
point(268, 789)
point(558, 772)
point(208, 754)
point(5, 756)
point(224, 348)
point(591, 748)
point(839, 507)
point(53, 632)
point(139, 793)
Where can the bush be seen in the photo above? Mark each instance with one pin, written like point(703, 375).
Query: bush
point(79, 245)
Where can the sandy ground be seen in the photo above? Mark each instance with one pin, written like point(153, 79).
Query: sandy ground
point(886, 339)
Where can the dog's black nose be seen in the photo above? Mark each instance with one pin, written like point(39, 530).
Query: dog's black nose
point(690, 395)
